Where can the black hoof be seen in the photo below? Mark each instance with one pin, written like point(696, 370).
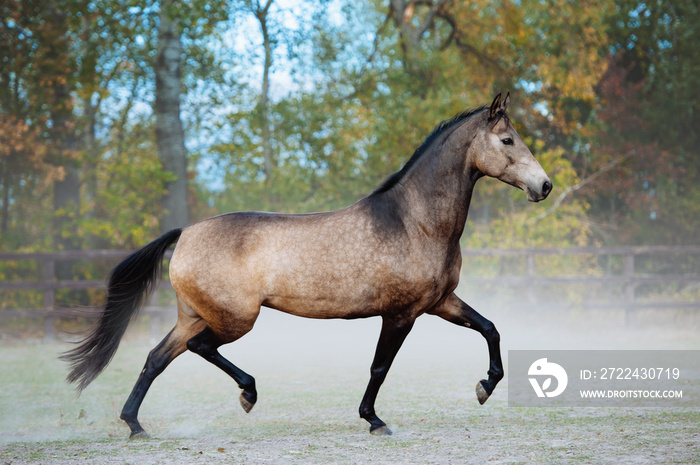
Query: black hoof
point(137, 431)
point(380, 430)
point(136, 435)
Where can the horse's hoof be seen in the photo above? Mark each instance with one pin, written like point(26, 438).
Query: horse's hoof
point(247, 401)
point(481, 394)
point(380, 431)
point(136, 435)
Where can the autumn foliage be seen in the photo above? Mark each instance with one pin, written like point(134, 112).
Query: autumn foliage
point(604, 93)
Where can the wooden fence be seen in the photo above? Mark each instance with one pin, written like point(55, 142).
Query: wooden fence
point(629, 278)
point(48, 284)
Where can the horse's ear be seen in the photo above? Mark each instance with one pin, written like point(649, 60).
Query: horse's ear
point(495, 107)
point(504, 103)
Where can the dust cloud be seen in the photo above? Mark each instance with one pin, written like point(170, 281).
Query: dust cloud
point(307, 369)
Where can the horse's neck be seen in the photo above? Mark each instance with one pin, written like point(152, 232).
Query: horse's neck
point(437, 192)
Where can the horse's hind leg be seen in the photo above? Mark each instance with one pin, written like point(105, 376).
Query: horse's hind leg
point(206, 344)
point(456, 311)
point(158, 359)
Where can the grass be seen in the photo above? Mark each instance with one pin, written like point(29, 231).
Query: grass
point(310, 384)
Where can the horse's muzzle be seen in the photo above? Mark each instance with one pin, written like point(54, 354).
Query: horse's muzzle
point(534, 196)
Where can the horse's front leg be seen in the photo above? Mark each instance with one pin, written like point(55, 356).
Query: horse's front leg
point(453, 309)
point(394, 332)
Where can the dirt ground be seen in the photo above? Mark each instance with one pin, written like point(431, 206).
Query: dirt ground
point(311, 376)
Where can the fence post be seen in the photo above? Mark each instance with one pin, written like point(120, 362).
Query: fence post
point(49, 299)
point(630, 319)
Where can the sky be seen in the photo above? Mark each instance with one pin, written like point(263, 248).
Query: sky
point(239, 46)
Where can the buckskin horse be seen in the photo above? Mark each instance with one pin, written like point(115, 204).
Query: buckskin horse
point(394, 254)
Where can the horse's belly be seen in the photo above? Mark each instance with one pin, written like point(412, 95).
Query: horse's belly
point(326, 299)
point(336, 297)
point(321, 309)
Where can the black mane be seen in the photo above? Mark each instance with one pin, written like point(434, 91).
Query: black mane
point(395, 178)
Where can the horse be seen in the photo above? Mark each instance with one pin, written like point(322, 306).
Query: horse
point(394, 254)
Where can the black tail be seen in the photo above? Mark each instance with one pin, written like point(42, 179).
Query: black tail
point(129, 284)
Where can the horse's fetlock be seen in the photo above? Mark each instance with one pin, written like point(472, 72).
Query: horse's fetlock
point(367, 413)
point(247, 383)
point(497, 375)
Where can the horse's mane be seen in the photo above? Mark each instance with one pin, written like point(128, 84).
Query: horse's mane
point(444, 126)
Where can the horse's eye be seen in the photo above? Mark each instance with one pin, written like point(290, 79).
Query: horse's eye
point(507, 141)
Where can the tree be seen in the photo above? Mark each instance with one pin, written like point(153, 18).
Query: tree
point(261, 13)
point(602, 91)
point(169, 131)
point(649, 115)
point(38, 124)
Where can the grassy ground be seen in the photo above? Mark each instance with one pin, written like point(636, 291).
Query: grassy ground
point(311, 376)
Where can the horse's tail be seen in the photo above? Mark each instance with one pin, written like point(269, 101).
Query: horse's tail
point(129, 284)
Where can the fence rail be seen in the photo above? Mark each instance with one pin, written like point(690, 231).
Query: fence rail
point(629, 278)
point(48, 285)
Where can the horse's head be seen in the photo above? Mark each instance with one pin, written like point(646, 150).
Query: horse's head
point(500, 153)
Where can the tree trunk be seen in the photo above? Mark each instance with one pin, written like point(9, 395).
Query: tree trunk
point(260, 13)
point(411, 32)
point(66, 191)
point(5, 212)
point(169, 132)
point(89, 145)
point(265, 101)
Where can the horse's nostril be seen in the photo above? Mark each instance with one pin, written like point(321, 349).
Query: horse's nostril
point(546, 188)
